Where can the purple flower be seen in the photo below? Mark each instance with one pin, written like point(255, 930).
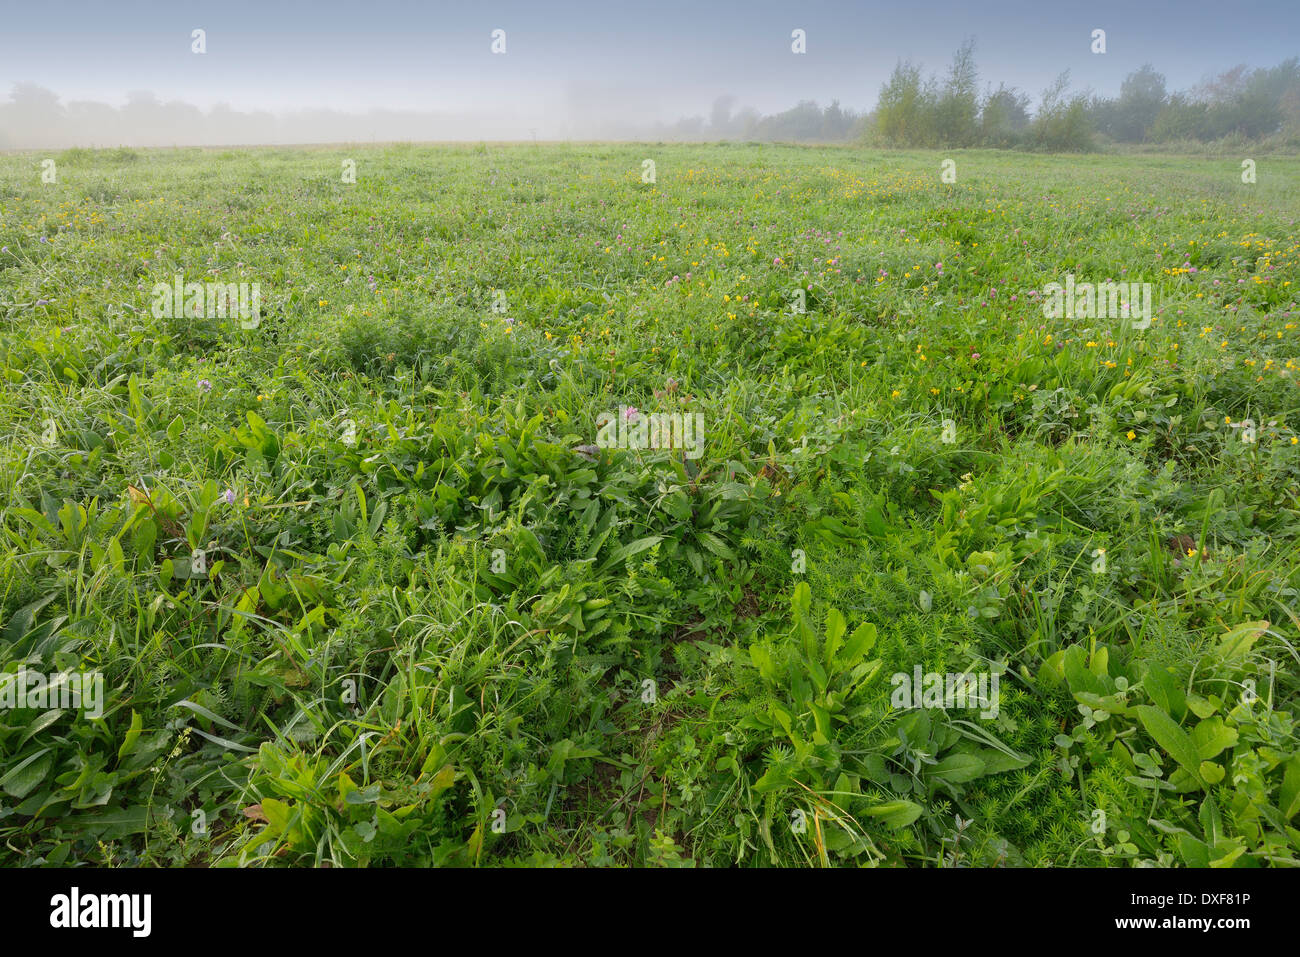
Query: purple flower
point(229, 496)
point(205, 385)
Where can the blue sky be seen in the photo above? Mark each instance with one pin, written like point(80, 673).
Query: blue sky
point(642, 61)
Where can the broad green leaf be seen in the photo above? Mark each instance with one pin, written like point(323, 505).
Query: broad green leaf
point(1289, 795)
point(1099, 664)
point(781, 717)
point(1052, 671)
point(896, 814)
point(1211, 736)
point(1193, 852)
point(630, 549)
point(1166, 694)
point(818, 675)
point(835, 628)
point(22, 620)
point(957, 768)
point(1228, 857)
point(801, 599)
point(822, 720)
point(442, 780)
point(1077, 675)
point(716, 545)
point(1211, 821)
point(276, 814)
point(132, 735)
point(996, 762)
point(761, 655)
point(1173, 739)
point(39, 724)
point(860, 642)
point(22, 778)
point(1237, 642)
point(774, 778)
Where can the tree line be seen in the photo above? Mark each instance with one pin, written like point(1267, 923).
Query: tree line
point(913, 110)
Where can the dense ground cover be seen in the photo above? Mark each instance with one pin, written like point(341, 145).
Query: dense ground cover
point(436, 621)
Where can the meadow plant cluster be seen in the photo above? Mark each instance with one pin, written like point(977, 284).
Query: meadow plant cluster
point(758, 512)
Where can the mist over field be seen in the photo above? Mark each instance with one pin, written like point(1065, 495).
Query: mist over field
point(147, 74)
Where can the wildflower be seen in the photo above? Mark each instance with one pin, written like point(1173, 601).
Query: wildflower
point(631, 413)
point(229, 496)
point(205, 385)
point(1131, 435)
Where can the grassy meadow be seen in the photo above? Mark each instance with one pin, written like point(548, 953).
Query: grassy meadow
point(366, 584)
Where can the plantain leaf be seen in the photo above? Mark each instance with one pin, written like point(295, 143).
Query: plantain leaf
point(1165, 692)
point(630, 549)
point(1237, 642)
point(896, 814)
point(22, 778)
point(1173, 739)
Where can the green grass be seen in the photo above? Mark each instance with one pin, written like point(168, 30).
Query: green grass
point(438, 627)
